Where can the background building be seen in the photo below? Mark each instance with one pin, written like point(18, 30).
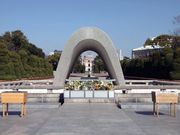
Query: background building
point(55, 52)
point(88, 61)
point(145, 51)
point(119, 52)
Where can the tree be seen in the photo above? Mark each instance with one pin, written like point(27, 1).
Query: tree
point(176, 21)
point(54, 59)
point(16, 65)
point(5, 67)
point(157, 65)
point(78, 67)
point(148, 42)
point(21, 59)
point(18, 39)
point(99, 65)
point(35, 50)
point(162, 40)
point(164, 64)
point(175, 73)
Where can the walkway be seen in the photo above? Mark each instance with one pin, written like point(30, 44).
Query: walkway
point(90, 119)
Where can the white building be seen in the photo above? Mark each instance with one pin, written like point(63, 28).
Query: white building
point(145, 51)
point(119, 52)
point(88, 61)
point(55, 52)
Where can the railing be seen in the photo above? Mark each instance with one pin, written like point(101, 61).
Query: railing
point(151, 82)
point(138, 82)
point(127, 87)
point(47, 84)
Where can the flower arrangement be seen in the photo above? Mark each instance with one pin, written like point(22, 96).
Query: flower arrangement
point(89, 85)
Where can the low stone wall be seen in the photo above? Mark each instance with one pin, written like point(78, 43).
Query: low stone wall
point(135, 97)
point(90, 100)
point(44, 97)
point(118, 97)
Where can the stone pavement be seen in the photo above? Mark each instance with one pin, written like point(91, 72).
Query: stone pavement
point(90, 119)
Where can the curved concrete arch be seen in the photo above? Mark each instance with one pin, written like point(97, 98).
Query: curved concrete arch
point(89, 38)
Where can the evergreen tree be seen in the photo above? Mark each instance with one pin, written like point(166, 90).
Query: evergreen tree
point(99, 65)
point(21, 59)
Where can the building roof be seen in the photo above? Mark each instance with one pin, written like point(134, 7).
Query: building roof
point(148, 47)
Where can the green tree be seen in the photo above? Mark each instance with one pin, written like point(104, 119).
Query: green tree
point(54, 59)
point(5, 67)
point(78, 67)
point(35, 50)
point(19, 58)
point(162, 40)
point(16, 65)
point(148, 42)
point(157, 65)
point(99, 65)
point(18, 39)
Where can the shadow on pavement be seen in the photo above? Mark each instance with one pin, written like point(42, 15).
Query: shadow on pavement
point(12, 113)
point(147, 113)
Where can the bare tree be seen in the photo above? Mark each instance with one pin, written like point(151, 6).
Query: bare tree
point(176, 21)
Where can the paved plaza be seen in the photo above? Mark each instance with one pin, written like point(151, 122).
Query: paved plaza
point(90, 119)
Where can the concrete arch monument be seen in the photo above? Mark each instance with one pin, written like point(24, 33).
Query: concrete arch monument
point(94, 39)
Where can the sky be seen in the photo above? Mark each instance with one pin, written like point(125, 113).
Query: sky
point(50, 23)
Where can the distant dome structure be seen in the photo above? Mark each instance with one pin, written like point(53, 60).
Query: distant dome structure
point(93, 39)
